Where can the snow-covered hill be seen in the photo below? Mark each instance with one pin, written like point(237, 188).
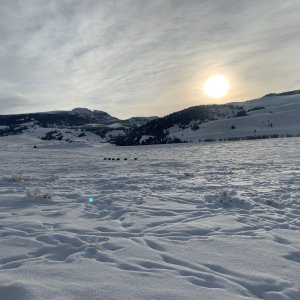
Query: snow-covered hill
point(271, 116)
point(266, 117)
point(79, 124)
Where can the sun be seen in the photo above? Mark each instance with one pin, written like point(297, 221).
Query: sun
point(216, 86)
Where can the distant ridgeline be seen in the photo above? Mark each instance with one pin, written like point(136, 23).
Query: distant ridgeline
point(274, 115)
point(290, 93)
point(78, 121)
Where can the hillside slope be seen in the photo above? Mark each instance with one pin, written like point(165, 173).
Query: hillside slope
point(79, 124)
point(269, 116)
point(161, 130)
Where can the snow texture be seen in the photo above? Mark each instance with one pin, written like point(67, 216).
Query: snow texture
point(185, 221)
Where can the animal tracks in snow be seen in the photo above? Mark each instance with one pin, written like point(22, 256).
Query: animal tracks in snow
point(207, 222)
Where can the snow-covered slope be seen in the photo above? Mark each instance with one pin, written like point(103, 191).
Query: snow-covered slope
point(82, 123)
point(270, 116)
point(182, 222)
point(72, 135)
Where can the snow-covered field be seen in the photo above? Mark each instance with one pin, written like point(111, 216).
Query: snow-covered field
point(202, 221)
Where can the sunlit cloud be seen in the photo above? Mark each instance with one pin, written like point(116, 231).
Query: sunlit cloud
point(142, 57)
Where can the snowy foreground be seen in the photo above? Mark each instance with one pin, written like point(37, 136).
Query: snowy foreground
point(202, 221)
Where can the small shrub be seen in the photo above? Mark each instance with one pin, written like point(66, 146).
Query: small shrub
point(18, 178)
point(188, 174)
point(225, 194)
point(225, 200)
point(47, 196)
point(36, 193)
point(94, 242)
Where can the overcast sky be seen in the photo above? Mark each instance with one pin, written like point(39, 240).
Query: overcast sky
point(142, 57)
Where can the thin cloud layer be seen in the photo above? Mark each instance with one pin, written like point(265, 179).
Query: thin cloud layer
point(143, 57)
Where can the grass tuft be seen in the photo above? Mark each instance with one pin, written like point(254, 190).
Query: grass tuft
point(18, 178)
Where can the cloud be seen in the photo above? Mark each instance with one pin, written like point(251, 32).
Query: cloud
point(10, 104)
point(134, 57)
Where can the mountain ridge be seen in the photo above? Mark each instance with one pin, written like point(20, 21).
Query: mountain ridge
point(271, 115)
point(74, 124)
point(258, 118)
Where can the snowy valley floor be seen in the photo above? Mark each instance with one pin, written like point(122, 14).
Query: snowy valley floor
point(202, 221)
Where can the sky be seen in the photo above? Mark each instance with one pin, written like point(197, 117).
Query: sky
point(143, 58)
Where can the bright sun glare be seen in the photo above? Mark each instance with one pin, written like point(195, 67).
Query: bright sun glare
point(216, 86)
